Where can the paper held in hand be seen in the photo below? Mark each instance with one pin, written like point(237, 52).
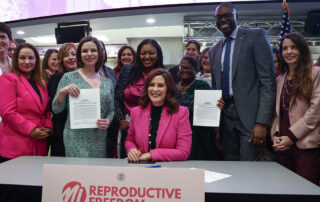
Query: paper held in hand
point(205, 110)
point(85, 109)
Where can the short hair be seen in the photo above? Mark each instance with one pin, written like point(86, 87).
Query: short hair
point(6, 29)
point(119, 64)
point(170, 100)
point(137, 67)
point(36, 73)
point(191, 60)
point(45, 62)
point(98, 44)
point(227, 4)
point(200, 59)
point(62, 51)
point(195, 42)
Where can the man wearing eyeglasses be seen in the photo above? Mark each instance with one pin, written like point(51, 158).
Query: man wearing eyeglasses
point(242, 67)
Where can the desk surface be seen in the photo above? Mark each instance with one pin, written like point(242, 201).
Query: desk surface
point(251, 178)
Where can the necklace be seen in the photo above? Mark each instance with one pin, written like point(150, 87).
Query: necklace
point(287, 87)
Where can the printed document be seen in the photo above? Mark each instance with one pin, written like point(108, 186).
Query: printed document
point(205, 110)
point(85, 109)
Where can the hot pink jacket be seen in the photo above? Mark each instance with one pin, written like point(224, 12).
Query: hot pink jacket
point(174, 138)
point(304, 117)
point(21, 112)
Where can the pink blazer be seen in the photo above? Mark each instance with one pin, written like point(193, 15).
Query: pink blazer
point(21, 111)
point(304, 117)
point(174, 137)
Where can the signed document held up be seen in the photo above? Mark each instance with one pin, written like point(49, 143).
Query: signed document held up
point(85, 109)
point(205, 111)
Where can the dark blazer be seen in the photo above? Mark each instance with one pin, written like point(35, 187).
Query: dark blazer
point(111, 74)
point(174, 73)
point(58, 120)
point(253, 77)
point(124, 80)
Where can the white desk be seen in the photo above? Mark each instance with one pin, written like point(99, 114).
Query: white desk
point(250, 180)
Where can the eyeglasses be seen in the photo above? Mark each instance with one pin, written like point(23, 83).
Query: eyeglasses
point(186, 68)
point(226, 15)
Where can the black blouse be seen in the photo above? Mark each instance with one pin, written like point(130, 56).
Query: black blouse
point(35, 87)
point(154, 125)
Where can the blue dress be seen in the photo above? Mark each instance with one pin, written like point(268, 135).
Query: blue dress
point(89, 142)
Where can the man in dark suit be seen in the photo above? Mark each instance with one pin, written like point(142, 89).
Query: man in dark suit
point(242, 66)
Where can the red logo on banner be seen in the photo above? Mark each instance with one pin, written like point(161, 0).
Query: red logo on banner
point(74, 192)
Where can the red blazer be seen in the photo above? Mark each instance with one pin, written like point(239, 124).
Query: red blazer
point(304, 117)
point(174, 138)
point(21, 111)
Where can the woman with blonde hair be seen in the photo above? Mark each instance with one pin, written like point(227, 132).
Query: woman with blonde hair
point(67, 62)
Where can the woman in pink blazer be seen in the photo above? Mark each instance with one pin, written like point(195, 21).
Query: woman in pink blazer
point(159, 128)
point(24, 108)
point(296, 125)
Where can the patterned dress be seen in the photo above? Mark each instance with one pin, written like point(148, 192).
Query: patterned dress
point(89, 142)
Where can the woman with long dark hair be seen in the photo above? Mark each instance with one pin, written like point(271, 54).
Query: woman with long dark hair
point(24, 107)
point(295, 129)
point(130, 83)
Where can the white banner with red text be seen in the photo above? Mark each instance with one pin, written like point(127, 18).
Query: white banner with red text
point(72, 183)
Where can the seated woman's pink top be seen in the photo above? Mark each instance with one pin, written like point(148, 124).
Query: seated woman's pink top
point(174, 135)
point(132, 94)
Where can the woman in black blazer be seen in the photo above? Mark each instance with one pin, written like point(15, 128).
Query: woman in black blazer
point(67, 62)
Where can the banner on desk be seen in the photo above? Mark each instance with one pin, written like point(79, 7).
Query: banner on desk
point(70, 183)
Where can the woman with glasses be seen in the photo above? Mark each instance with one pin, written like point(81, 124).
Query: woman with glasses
point(203, 138)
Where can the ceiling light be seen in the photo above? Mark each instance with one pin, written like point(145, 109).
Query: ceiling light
point(44, 39)
point(150, 20)
point(20, 32)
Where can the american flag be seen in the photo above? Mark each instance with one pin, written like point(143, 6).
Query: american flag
point(285, 24)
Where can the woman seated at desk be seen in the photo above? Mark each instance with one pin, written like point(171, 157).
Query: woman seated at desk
point(159, 128)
